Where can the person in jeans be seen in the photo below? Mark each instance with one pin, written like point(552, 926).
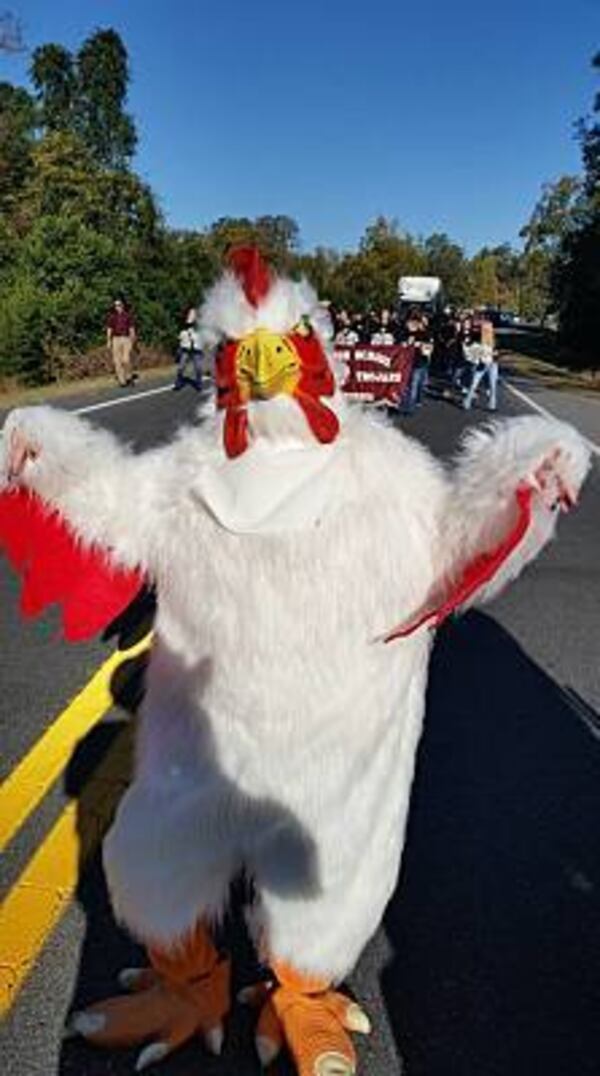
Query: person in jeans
point(483, 362)
point(416, 333)
point(468, 335)
point(189, 351)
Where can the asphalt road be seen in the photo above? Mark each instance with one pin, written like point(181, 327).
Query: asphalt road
point(488, 960)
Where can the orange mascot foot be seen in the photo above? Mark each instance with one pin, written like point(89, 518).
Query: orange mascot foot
point(184, 993)
point(311, 1019)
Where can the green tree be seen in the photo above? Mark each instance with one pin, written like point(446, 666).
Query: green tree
point(554, 216)
point(447, 261)
point(484, 285)
point(280, 236)
point(355, 283)
point(589, 133)
point(17, 129)
point(507, 264)
point(276, 237)
point(86, 233)
point(21, 330)
point(102, 80)
point(576, 271)
point(64, 178)
point(320, 268)
point(53, 75)
point(385, 254)
point(564, 231)
point(577, 291)
point(534, 289)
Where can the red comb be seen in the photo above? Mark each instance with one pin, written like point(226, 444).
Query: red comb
point(252, 271)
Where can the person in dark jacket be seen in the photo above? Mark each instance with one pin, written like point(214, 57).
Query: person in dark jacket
point(416, 332)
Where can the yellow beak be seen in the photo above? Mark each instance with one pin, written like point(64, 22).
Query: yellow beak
point(267, 364)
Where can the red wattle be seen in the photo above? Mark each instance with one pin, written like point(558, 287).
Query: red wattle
point(323, 422)
point(235, 431)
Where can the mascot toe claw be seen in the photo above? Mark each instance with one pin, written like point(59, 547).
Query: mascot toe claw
point(120, 1021)
point(256, 994)
point(334, 1065)
point(356, 1019)
point(314, 1027)
point(269, 1034)
point(151, 1054)
point(185, 994)
point(214, 1039)
point(135, 979)
point(85, 1023)
point(266, 1049)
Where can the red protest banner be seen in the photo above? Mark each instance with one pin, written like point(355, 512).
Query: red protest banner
point(376, 372)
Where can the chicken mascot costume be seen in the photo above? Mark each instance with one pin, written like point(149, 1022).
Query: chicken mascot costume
point(303, 552)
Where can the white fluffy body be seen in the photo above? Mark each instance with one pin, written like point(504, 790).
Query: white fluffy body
point(227, 312)
point(277, 733)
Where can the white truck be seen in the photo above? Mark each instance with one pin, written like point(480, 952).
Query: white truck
point(421, 291)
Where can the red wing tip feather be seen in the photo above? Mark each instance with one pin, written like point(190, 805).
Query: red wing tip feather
point(58, 569)
point(475, 574)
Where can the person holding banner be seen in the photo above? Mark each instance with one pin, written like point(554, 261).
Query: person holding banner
point(416, 333)
point(384, 331)
point(346, 335)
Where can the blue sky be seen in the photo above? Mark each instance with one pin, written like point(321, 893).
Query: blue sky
point(447, 116)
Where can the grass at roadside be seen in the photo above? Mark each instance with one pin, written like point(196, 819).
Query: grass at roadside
point(537, 354)
point(16, 395)
point(529, 367)
point(548, 374)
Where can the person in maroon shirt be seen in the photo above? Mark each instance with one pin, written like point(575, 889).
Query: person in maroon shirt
point(120, 339)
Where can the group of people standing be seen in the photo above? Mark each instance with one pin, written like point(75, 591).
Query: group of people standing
point(376, 327)
point(456, 349)
point(468, 356)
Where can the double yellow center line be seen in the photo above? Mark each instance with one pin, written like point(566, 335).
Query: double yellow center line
point(42, 892)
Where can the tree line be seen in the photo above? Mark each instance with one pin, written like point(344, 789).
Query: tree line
point(78, 225)
point(562, 238)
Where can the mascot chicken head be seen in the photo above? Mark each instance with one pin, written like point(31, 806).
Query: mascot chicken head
point(271, 369)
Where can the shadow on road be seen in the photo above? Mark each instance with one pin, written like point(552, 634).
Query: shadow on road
point(494, 928)
point(98, 773)
point(134, 623)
